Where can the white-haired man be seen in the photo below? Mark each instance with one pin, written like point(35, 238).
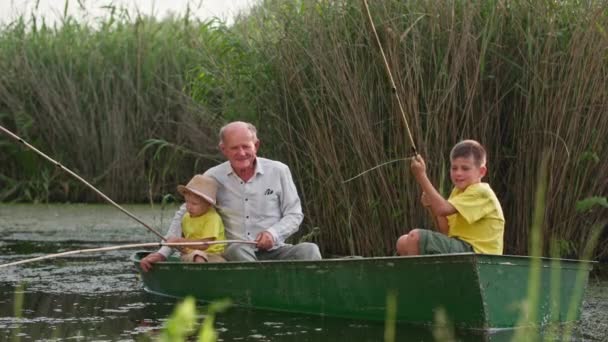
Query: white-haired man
point(257, 200)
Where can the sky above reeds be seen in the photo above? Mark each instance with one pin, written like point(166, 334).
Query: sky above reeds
point(92, 11)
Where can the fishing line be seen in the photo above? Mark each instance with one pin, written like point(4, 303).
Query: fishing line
point(375, 167)
point(394, 91)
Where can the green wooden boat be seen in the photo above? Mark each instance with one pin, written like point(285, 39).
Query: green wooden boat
point(475, 291)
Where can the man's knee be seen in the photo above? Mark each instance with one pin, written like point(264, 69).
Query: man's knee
point(239, 252)
point(306, 251)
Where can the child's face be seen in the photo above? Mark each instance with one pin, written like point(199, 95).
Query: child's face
point(464, 172)
point(196, 205)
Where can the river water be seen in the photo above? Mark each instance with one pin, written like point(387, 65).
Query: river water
point(99, 297)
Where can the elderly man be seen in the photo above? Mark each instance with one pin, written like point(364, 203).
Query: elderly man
point(257, 200)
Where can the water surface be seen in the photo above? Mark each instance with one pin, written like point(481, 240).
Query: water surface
point(99, 296)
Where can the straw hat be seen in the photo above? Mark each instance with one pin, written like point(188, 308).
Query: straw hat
point(202, 186)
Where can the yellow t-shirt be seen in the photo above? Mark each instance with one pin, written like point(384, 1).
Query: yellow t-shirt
point(479, 220)
point(207, 225)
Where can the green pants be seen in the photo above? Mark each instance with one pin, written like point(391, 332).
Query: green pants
point(431, 242)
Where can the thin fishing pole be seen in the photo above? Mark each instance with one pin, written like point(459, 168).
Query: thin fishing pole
point(135, 245)
point(390, 77)
point(13, 135)
point(394, 90)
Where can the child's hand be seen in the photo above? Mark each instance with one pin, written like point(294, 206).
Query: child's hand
point(175, 240)
point(418, 166)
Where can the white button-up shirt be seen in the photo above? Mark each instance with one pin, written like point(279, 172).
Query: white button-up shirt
point(267, 202)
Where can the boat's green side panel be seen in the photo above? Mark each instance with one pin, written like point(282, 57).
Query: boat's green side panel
point(353, 288)
point(476, 291)
point(505, 281)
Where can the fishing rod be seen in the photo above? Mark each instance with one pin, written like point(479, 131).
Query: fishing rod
point(16, 137)
point(393, 85)
point(390, 77)
point(134, 245)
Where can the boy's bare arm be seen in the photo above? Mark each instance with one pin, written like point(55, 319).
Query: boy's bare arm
point(439, 205)
point(440, 221)
point(442, 224)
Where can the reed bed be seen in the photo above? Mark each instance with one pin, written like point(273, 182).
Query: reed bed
point(92, 98)
point(525, 79)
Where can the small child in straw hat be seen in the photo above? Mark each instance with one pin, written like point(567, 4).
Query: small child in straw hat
point(201, 220)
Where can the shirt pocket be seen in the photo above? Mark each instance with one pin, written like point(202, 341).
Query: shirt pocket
point(267, 205)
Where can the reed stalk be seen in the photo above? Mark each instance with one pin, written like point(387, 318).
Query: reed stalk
point(522, 79)
point(136, 104)
point(391, 314)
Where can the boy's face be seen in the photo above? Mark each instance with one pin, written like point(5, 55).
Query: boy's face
point(465, 172)
point(196, 205)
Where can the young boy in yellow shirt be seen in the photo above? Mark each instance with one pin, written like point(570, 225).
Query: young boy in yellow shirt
point(470, 220)
point(201, 220)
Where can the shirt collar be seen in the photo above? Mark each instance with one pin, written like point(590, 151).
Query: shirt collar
point(258, 168)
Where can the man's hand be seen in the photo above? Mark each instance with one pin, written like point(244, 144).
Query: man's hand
point(147, 262)
point(418, 166)
point(265, 241)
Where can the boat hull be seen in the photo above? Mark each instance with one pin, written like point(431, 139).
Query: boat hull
point(475, 291)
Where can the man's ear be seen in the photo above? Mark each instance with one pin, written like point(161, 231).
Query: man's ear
point(257, 145)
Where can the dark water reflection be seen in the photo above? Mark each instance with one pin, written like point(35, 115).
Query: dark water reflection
point(99, 296)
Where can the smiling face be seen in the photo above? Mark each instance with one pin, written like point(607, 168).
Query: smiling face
point(464, 172)
point(240, 146)
point(196, 205)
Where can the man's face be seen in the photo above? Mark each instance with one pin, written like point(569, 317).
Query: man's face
point(465, 172)
point(240, 148)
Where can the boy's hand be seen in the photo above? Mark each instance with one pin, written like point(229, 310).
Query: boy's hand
point(418, 166)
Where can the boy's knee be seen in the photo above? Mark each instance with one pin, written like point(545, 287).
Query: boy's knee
point(415, 234)
point(402, 245)
point(408, 244)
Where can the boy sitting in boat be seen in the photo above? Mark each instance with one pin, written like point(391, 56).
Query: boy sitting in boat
point(470, 220)
point(201, 222)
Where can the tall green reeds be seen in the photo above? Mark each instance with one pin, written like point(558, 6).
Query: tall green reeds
point(93, 97)
point(520, 77)
point(135, 106)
